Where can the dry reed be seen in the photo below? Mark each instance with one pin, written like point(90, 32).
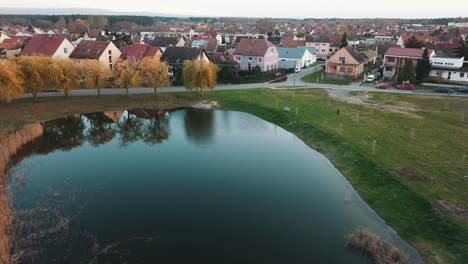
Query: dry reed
point(9, 146)
point(380, 251)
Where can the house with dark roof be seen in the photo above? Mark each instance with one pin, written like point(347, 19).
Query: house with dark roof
point(345, 62)
point(395, 58)
point(49, 46)
point(405, 37)
point(103, 51)
point(210, 45)
point(136, 52)
point(164, 42)
point(321, 43)
point(250, 53)
point(175, 56)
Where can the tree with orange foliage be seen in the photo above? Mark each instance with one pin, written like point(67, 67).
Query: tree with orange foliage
point(126, 76)
point(11, 82)
point(153, 73)
point(95, 75)
point(199, 74)
point(64, 75)
point(35, 73)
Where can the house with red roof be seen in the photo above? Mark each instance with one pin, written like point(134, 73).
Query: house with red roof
point(345, 62)
point(103, 51)
point(251, 52)
point(405, 37)
point(136, 52)
point(49, 46)
point(395, 58)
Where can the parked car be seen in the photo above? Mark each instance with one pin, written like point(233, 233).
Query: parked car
point(370, 78)
point(463, 89)
point(443, 90)
point(383, 86)
point(406, 86)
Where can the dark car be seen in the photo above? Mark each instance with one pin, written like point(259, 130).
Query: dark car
point(463, 89)
point(443, 90)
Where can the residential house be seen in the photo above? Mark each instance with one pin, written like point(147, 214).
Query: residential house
point(103, 51)
point(3, 37)
point(405, 37)
point(49, 46)
point(164, 42)
point(295, 57)
point(250, 53)
point(11, 47)
point(290, 42)
point(345, 62)
point(210, 45)
point(395, 58)
point(136, 52)
point(449, 69)
point(174, 57)
point(321, 43)
point(369, 56)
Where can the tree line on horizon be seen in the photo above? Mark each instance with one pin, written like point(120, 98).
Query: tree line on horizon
point(36, 74)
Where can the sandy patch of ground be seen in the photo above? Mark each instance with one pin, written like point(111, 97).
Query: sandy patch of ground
point(366, 99)
point(451, 209)
point(206, 105)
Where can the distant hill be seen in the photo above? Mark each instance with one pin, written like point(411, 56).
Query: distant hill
point(78, 11)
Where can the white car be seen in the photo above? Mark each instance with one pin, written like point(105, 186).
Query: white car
point(370, 78)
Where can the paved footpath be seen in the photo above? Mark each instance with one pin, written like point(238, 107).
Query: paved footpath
point(293, 82)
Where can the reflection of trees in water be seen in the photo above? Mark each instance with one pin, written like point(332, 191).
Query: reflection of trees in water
point(101, 129)
point(64, 133)
point(199, 125)
point(155, 130)
point(130, 129)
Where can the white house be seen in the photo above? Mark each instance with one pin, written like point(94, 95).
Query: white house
point(304, 57)
point(448, 69)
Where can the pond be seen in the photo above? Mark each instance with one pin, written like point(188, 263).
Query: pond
point(186, 186)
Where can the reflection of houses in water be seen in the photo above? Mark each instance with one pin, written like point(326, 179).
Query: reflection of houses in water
point(115, 116)
point(146, 113)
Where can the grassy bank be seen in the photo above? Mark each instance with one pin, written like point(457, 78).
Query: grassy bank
point(434, 150)
point(313, 77)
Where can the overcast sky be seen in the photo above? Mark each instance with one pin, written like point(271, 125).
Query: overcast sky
point(272, 8)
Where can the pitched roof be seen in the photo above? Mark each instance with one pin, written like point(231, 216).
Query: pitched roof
point(164, 41)
point(289, 42)
point(43, 45)
point(253, 47)
point(134, 53)
point(406, 52)
point(176, 55)
point(419, 38)
point(88, 49)
point(353, 54)
point(310, 38)
point(209, 44)
point(293, 53)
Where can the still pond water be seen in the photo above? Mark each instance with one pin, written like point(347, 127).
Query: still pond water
point(192, 186)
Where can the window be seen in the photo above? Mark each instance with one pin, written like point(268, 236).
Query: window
point(259, 59)
point(323, 50)
point(110, 59)
point(238, 58)
point(342, 69)
point(78, 61)
point(323, 44)
point(250, 58)
point(388, 68)
point(65, 50)
point(110, 52)
point(331, 50)
point(462, 74)
point(350, 70)
point(391, 59)
point(342, 59)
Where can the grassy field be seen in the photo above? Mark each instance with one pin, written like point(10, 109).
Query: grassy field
point(312, 78)
point(424, 134)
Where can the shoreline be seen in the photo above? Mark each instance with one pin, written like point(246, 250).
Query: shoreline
point(9, 146)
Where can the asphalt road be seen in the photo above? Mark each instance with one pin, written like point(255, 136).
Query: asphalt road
point(290, 83)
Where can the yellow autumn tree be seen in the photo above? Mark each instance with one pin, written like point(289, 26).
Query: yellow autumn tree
point(35, 72)
point(199, 74)
point(95, 75)
point(126, 76)
point(11, 82)
point(153, 73)
point(64, 75)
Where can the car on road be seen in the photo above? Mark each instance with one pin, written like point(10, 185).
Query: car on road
point(371, 78)
point(443, 90)
point(406, 86)
point(463, 89)
point(383, 86)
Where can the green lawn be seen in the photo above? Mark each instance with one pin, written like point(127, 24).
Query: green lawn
point(435, 152)
point(312, 78)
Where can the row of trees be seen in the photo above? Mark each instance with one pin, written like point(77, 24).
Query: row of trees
point(38, 74)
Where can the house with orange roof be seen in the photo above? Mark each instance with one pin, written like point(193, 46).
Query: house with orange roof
point(136, 52)
point(345, 62)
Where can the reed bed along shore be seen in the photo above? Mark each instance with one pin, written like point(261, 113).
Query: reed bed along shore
point(9, 146)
